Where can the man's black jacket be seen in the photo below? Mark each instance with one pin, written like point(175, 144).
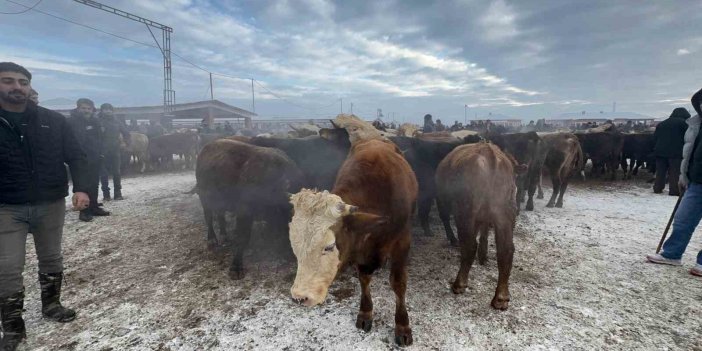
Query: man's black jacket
point(32, 165)
point(88, 133)
point(670, 135)
point(111, 130)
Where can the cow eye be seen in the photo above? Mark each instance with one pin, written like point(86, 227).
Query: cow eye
point(330, 247)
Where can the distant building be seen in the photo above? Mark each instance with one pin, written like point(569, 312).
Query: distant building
point(187, 114)
point(577, 119)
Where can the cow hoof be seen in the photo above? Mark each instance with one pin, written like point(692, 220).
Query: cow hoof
point(212, 246)
point(364, 322)
point(457, 289)
point(529, 207)
point(237, 274)
point(453, 242)
point(559, 205)
point(500, 304)
point(540, 196)
point(482, 260)
point(549, 205)
point(403, 336)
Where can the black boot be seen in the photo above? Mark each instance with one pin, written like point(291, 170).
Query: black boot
point(51, 298)
point(86, 215)
point(106, 196)
point(118, 195)
point(99, 211)
point(12, 324)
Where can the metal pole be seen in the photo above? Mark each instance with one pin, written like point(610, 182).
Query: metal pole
point(341, 105)
point(211, 91)
point(465, 114)
point(253, 99)
point(352, 108)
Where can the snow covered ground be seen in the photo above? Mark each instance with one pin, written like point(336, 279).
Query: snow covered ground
point(142, 279)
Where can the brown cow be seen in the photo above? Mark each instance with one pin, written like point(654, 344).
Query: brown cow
point(249, 181)
point(363, 222)
point(564, 159)
point(477, 185)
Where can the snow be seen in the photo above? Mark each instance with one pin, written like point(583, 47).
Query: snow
point(142, 279)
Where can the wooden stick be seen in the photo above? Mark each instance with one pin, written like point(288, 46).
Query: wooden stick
point(670, 221)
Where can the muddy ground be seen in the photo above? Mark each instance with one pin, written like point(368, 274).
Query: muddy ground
point(142, 279)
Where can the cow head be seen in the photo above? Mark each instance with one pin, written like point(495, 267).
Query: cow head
point(318, 218)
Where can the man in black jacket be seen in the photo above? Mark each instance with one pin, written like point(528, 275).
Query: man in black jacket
point(669, 139)
point(112, 128)
point(88, 130)
point(34, 145)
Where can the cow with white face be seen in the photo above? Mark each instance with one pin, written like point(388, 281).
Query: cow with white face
point(314, 243)
point(363, 222)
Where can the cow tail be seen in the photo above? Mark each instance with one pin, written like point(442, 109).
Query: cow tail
point(580, 162)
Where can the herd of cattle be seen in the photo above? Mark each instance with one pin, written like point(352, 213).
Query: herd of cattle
point(346, 196)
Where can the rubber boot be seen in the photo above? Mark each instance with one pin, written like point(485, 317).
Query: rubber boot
point(86, 215)
point(106, 196)
point(12, 323)
point(118, 195)
point(51, 298)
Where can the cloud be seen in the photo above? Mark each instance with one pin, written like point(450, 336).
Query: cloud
point(498, 23)
point(682, 52)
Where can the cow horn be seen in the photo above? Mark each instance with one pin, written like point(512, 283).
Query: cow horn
point(334, 124)
point(346, 209)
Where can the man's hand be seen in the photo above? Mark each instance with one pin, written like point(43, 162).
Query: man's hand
point(682, 185)
point(81, 201)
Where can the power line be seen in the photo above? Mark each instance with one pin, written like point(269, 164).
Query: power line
point(27, 8)
point(33, 8)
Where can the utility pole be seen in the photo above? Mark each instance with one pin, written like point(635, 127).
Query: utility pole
point(465, 114)
point(253, 98)
point(352, 108)
point(164, 46)
point(211, 91)
point(341, 105)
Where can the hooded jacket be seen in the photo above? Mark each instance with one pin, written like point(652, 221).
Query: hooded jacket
point(669, 135)
point(32, 164)
point(691, 166)
point(111, 130)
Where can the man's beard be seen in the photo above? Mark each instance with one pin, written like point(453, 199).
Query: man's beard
point(14, 97)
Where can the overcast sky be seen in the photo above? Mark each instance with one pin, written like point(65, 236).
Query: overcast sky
point(522, 59)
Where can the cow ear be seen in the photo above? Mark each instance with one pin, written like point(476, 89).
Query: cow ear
point(364, 222)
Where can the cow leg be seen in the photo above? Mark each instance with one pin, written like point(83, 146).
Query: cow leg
point(398, 281)
point(559, 204)
point(212, 243)
point(531, 182)
point(556, 181)
point(242, 234)
point(364, 320)
point(625, 166)
point(540, 194)
point(466, 235)
point(423, 209)
point(638, 164)
point(505, 253)
point(445, 215)
point(222, 222)
point(483, 244)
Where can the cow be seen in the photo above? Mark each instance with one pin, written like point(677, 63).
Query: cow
point(163, 147)
point(528, 149)
point(603, 149)
point(138, 149)
point(424, 156)
point(564, 158)
point(249, 181)
point(363, 222)
point(206, 138)
point(476, 184)
point(638, 149)
point(319, 157)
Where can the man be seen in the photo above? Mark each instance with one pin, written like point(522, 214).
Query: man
point(669, 139)
point(689, 212)
point(34, 96)
point(428, 124)
point(35, 144)
point(88, 131)
point(112, 128)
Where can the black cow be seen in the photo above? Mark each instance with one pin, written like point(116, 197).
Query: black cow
point(319, 157)
point(637, 149)
point(603, 149)
point(528, 149)
point(424, 157)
